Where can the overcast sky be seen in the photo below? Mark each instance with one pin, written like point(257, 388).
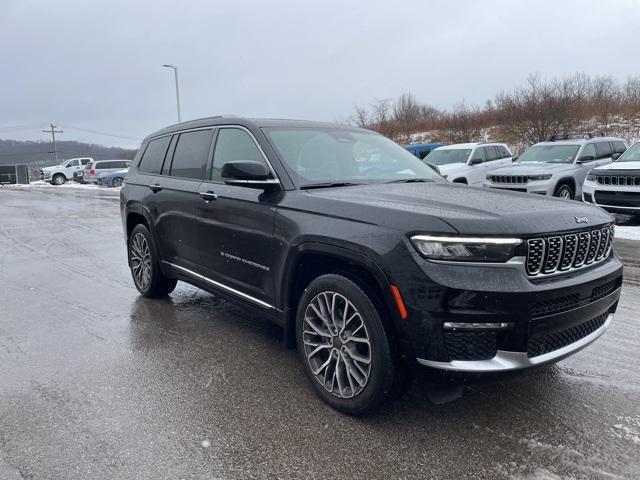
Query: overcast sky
point(97, 64)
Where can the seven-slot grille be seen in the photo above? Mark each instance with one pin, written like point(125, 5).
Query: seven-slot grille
point(620, 180)
point(509, 178)
point(562, 253)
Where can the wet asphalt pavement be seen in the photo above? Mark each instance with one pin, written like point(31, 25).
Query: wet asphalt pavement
point(99, 383)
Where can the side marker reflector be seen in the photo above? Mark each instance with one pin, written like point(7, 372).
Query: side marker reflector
point(402, 310)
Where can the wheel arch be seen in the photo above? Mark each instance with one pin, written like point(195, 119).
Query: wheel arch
point(567, 181)
point(310, 261)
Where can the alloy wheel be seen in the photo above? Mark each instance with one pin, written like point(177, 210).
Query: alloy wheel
point(336, 344)
point(565, 194)
point(140, 262)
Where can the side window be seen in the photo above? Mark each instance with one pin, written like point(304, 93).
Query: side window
point(505, 152)
point(191, 154)
point(153, 156)
point(589, 151)
point(84, 161)
point(603, 150)
point(491, 153)
point(423, 153)
point(479, 154)
point(619, 147)
point(74, 163)
point(233, 144)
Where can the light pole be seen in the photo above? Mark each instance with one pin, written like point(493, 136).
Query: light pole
point(175, 73)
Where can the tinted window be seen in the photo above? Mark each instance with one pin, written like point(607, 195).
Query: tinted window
point(153, 156)
point(190, 156)
point(105, 165)
point(589, 151)
point(491, 152)
point(172, 146)
point(84, 161)
point(479, 154)
point(603, 150)
point(504, 153)
point(233, 144)
point(619, 147)
point(424, 152)
point(74, 163)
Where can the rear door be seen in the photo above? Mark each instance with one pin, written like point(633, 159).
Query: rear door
point(174, 196)
point(235, 224)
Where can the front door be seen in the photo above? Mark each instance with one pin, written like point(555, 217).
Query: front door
point(235, 225)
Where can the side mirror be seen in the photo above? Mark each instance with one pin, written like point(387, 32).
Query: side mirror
point(615, 156)
point(586, 158)
point(247, 173)
point(514, 158)
point(433, 167)
point(475, 161)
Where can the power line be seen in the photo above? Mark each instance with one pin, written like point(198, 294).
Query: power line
point(97, 132)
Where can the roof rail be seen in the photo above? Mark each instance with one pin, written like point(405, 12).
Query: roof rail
point(574, 136)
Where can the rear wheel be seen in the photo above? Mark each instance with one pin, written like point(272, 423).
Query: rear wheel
point(145, 265)
point(58, 179)
point(565, 191)
point(344, 347)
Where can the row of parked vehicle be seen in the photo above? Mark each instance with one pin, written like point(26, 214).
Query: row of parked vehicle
point(593, 168)
point(107, 173)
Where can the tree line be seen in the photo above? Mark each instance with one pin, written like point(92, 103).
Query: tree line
point(521, 116)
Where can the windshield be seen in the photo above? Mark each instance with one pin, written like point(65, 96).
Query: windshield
point(335, 155)
point(549, 154)
point(631, 155)
point(446, 156)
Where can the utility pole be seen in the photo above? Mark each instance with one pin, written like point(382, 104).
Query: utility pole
point(53, 132)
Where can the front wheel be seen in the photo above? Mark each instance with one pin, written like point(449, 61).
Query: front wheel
point(117, 182)
point(58, 179)
point(344, 347)
point(145, 265)
point(565, 192)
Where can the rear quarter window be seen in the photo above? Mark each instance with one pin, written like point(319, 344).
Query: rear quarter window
point(153, 156)
point(603, 150)
point(191, 154)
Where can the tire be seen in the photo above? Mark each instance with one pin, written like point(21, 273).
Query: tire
point(58, 179)
point(565, 191)
point(116, 182)
point(145, 265)
point(365, 386)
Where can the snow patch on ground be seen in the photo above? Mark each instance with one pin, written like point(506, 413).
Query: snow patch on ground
point(628, 232)
point(68, 185)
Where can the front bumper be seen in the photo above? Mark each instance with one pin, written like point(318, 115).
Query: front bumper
point(614, 199)
point(546, 319)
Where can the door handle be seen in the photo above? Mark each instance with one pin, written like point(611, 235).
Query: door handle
point(208, 196)
point(155, 188)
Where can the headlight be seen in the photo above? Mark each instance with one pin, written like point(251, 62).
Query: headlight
point(466, 249)
point(591, 177)
point(546, 176)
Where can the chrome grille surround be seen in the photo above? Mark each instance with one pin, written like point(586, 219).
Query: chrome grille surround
point(564, 253)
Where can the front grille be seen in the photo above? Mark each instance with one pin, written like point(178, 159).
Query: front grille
point(549, 342)
point(470, 345)
point(562, 253)
point(619, 180)
point(509, 178)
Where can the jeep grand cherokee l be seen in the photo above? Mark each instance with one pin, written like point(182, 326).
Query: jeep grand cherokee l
point(557, 167)
point(372, 263)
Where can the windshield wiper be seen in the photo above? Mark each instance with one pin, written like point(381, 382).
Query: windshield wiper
point(411, 180)
point(329, 185)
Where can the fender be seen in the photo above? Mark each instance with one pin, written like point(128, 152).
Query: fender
point(341, 253)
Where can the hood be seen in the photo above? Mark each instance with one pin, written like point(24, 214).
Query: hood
point(442, 206)
point(452, 168)
point(532, 168)
point(618, 167)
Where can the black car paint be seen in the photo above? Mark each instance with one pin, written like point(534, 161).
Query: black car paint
point(252, 240)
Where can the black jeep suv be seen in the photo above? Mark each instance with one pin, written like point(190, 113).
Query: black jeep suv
point(371, 262)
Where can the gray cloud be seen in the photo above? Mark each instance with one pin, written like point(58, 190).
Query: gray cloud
point(96, 65)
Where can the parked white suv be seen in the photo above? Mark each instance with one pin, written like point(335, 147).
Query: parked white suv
point(469, 162)
point(59, 174)
point(616, 187)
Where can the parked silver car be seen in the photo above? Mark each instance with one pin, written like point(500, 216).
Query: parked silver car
point(92, 170)
point(556, 167)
